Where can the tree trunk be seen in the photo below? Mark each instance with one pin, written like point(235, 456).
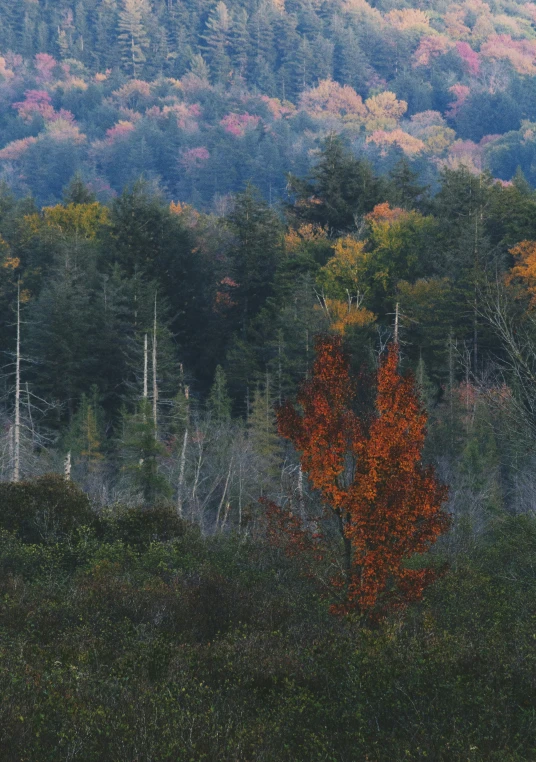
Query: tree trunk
point(155, 386)
point(16, 447)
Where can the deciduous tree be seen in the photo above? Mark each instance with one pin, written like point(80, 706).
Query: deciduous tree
point(370, 477)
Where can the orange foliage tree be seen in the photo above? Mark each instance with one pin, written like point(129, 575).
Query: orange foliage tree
point(523, 273)
point(370, 477)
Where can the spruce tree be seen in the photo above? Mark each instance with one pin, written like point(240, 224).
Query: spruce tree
point(240, 43)
point(342, 189)
point(140, 451)
point(133, 40)
point(256, 253)
point(84, 439)
point(219, 401)
point(217, 41)
point(262, 426)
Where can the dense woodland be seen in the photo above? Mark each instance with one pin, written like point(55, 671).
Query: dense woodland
point(267, 408)
point(155, 343)
point(202, 97)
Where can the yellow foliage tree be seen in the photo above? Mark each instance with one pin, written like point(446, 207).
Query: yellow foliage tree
point(331, 99)
point(80, 221)
point(408, 18)
point(343, 315)
point(343, 285)
point(383, 111)
point(346, 271)
point(397, 242)
point(408, 143)
point(523, 273)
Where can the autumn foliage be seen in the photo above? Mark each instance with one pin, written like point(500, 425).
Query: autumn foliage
point(370, 477)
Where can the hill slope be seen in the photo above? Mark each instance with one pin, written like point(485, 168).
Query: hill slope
point(204, 96)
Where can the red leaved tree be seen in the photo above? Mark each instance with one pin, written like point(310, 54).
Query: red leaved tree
point(370, 477)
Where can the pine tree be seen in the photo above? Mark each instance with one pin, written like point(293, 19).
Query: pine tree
point(350, 63)
point(84, 439)
point(105, 51)
point(404, 190)
point(219, 402)
point(133, 40)
point(240, 43)
point(262, 427)
point(256, 253)
point(77, 192)
point(217, 40)
point(340, 190)
point(140, 451)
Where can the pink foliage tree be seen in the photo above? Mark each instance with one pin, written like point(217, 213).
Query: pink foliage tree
point(16, 149)
point(470, 58)
point(520, 53)
point(35, 103)
point(239, 124)
point(44, 66)
point(430, 47)
point(120, 130)
point(461, 93)
point(194, 158)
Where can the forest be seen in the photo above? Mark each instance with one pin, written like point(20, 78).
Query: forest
point(268, 361)
point(168, 562)
point(202, 97)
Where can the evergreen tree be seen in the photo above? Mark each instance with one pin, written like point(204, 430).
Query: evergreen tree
point(350, 63)
point(240, 43)
point(219, 402)
point(105, 51)
point(62, 337)
point(262, 427)
point(132, 38)
point(404, 188)
point(84, 439)
point(140, 450)
point(340, 190)
point(77, 192)
point(256, 252)
point(217, 40)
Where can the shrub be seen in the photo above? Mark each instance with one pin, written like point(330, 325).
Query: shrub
point(142, 526)
point(46, 509)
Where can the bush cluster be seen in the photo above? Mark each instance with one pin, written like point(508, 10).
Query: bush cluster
point(135, 638)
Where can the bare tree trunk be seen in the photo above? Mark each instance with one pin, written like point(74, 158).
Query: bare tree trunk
point(180, 486)
point(16, 447)
point(226, 514)
point(300, 492)
point(240, 498)
point(155, 386)
point(181, 473)
point(67, 467)
point(145, 369)
point(222, 501)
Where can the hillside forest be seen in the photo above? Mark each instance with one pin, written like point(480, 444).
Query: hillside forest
point(268, 360)
point(202, 97)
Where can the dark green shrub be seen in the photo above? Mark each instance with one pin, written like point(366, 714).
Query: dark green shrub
point(46, 509)
point(142, 526)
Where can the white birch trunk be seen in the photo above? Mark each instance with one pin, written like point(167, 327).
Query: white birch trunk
point(67, 467)
point(16, 442)
point(222, 501)
point(155, 386)
point(182, 465)
point(145, 369)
